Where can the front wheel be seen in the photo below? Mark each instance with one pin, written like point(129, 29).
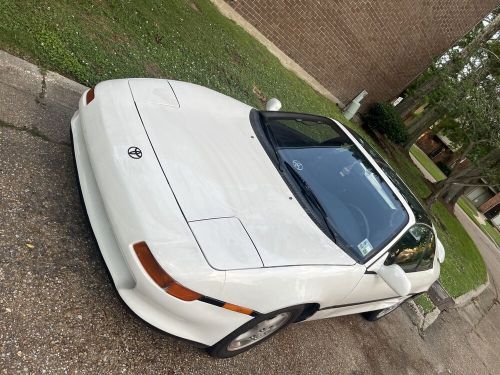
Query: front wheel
point(377, 314)
point(254, 332)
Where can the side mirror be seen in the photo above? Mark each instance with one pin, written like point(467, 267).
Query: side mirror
point(396, 278)
point(273, 104)
point(440, 250)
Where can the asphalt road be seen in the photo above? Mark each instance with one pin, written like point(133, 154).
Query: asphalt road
point(59, 312)
point(488, 249)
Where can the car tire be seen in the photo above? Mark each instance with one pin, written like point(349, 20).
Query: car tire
point(379, 314)
point(254, 332)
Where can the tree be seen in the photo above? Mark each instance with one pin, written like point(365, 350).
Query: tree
point(450, 65)
point(420, 125)
point(471, 102)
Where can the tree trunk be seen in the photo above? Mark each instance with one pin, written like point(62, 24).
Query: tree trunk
point(429, 201)
point(416, 99)
point(453, 194)
point(457, 196)
point(444, 187)
point(408, 105)
point(420, 126)
point(465, 175)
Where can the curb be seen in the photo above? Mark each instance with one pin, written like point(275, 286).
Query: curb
point(14, 63)
point(423, 321)
point(420, 320)
point(467, 298)
point(421, 168)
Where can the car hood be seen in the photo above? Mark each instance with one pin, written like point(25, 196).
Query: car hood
point(218, 169)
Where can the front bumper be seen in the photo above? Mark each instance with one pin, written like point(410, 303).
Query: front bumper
point(194, 321)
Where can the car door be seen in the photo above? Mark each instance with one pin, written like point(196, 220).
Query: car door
point(414, 252)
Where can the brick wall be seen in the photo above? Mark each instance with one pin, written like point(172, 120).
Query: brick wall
point(351, 45)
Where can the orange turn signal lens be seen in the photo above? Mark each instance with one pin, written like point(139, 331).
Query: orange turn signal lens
point(151, 266)
point(159, 275)
point(90, 95)
point(185, 294)
point(242, 310)
point(172, 287)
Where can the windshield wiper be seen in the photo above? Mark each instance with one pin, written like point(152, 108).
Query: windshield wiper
point(311, 198)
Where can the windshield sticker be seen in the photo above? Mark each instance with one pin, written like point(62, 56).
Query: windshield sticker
point(365, 246)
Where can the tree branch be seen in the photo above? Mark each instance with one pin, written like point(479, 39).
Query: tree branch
point(462, 184)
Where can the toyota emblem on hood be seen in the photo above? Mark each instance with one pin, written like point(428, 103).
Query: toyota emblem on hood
point(134, 152)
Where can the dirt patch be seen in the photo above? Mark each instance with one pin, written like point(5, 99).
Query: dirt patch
point(193, 6)
point(153, 70)
point(259, 94)
point(236, 58)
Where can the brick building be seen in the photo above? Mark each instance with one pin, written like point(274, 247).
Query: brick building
point(491, 206)
point(487, 201)
point(376, 45)
point(435, 148)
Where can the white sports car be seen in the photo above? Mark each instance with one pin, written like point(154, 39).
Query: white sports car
point(221, 224)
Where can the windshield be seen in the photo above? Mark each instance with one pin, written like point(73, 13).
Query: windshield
point(357, 205)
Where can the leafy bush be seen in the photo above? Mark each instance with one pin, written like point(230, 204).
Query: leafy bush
point(384, 118)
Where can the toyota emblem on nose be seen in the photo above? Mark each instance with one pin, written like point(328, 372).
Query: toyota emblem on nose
point(134, 152)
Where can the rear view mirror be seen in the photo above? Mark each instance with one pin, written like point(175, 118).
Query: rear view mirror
point(396, 278)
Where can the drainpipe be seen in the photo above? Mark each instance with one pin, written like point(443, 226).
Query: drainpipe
point(353, 106)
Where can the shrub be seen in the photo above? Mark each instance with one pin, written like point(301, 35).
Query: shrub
point(384, 118)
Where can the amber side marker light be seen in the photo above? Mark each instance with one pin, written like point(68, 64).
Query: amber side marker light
point(242, 310)
point(164, 281)
point(90, 95)
point(160, 277)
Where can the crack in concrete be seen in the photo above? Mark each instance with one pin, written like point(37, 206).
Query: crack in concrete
point(40, 99)
point(35, 132)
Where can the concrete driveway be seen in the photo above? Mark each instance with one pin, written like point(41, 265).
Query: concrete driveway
point(59, 312)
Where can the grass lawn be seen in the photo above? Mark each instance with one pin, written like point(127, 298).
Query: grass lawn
point(427, 163)
point(425, 303)
point(186, 40)
point(471, 211)
point(190, 40)
point(409, 172)
point(464, 268)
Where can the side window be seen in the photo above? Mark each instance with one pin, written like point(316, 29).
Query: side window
point(415, 250)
